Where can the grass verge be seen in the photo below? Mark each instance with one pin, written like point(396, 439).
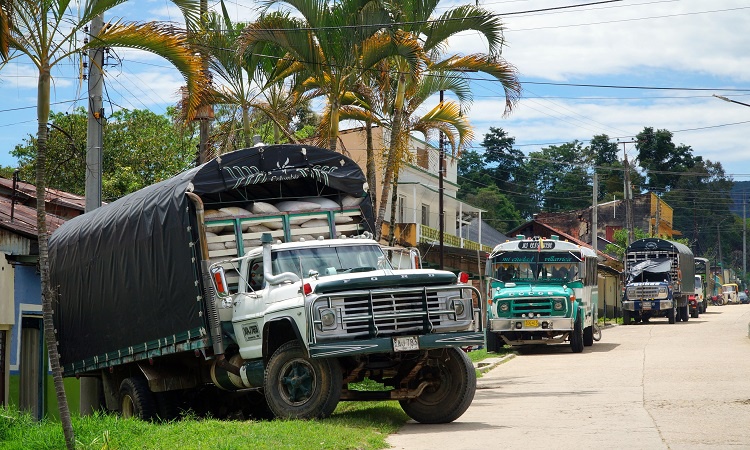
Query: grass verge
point(354, 425)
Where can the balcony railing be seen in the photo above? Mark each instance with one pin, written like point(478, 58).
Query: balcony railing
point(411, 234)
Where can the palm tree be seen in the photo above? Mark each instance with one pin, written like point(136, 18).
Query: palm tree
point(416, 18)
point(333, 45)
point(45, 33)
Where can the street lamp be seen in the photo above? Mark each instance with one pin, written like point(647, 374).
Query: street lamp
point(730, 100)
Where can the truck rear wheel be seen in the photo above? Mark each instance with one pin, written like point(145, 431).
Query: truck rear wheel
point(576, 336)
point(136, 400)
point(684, 313)
point(588, 336)
point(299, 387)
point(445, 401)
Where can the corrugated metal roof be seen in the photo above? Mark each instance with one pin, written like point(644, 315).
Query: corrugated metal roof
point(24, 219)
point(27, 191)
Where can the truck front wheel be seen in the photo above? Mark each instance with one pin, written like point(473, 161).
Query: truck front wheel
point(671, 314)
point(576, 336)
point(454, 383)
point(626, 317)
point(299, 387)
point(136, 400)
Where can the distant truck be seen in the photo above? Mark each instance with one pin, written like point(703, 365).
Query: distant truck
point(660, 281)
point(541, 291)
point(247, 286)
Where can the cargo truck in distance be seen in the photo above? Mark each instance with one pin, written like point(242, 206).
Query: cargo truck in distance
point(541, 291)
point(247, 286)
point(660, 281)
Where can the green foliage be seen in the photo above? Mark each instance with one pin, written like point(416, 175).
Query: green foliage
point(140, 148)
point(499, 211)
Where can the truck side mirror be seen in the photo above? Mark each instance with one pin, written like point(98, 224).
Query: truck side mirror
point(219, 282)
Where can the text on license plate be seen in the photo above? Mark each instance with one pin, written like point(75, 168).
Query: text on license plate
point(405, 343)
point(646, 305)
point(530, 323)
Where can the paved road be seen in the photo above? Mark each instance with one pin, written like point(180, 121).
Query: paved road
point(646, 386)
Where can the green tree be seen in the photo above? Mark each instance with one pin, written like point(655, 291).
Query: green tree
point(500, 212)
point(661, 159)
point(140, 148)
point(44, 33)
point(418, 20)
point(562, 174)
point(327, 49)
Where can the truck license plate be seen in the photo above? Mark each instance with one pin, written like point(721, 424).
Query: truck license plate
point(646, 305)
point(531, 323)
point(405, 343)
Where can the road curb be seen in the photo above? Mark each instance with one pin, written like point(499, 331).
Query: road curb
point(488, 364)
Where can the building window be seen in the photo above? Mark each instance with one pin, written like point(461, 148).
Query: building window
point(401, 208)
point(425, 215)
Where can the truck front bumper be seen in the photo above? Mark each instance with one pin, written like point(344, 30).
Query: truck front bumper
point(329, 349)
point(647, 305)
point(535, 324)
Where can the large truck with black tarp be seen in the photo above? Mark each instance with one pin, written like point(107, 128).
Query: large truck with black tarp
point(250, 285)
point(660, 281)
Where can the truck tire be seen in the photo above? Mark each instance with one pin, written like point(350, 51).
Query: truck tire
point(588, 336)
point(493, 342)
point(299, 387)
point(450, 397)
point(166, 406)
point(695, 313)
point(684, 313)
point(576, 336)
point(671, 314)
point(136, 400)
point(626, 317)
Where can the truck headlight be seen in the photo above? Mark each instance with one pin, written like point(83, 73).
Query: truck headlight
point(504, 307)
point(458, 307)
point(558, 305)
point(328, 317)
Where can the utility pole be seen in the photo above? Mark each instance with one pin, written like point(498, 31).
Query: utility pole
point(441, 168)
point(206, 111)
point(90, 386)
point(628, 192)
point(744, 237)
point(658, 216)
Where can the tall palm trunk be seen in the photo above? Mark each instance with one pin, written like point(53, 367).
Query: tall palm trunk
point(393, 153)
point(372, 175)
point(246, 126)
point(394, 201)
point(334, 131)
point(41, 223)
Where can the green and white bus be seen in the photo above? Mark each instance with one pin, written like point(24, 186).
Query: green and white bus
point(541, 291)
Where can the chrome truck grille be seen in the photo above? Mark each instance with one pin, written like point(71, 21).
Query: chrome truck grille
point(644, 291)
point(377, 313)
point(538, 306)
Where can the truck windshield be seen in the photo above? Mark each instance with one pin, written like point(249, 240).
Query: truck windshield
point(328, 261)
point(536, 266)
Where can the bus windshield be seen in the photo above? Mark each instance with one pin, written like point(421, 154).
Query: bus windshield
point(554, 267)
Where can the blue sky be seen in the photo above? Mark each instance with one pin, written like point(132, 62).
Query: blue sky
point(694, 48)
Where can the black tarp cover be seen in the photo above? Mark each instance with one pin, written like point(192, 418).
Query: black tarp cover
point(129, 273)
point(660, 265)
